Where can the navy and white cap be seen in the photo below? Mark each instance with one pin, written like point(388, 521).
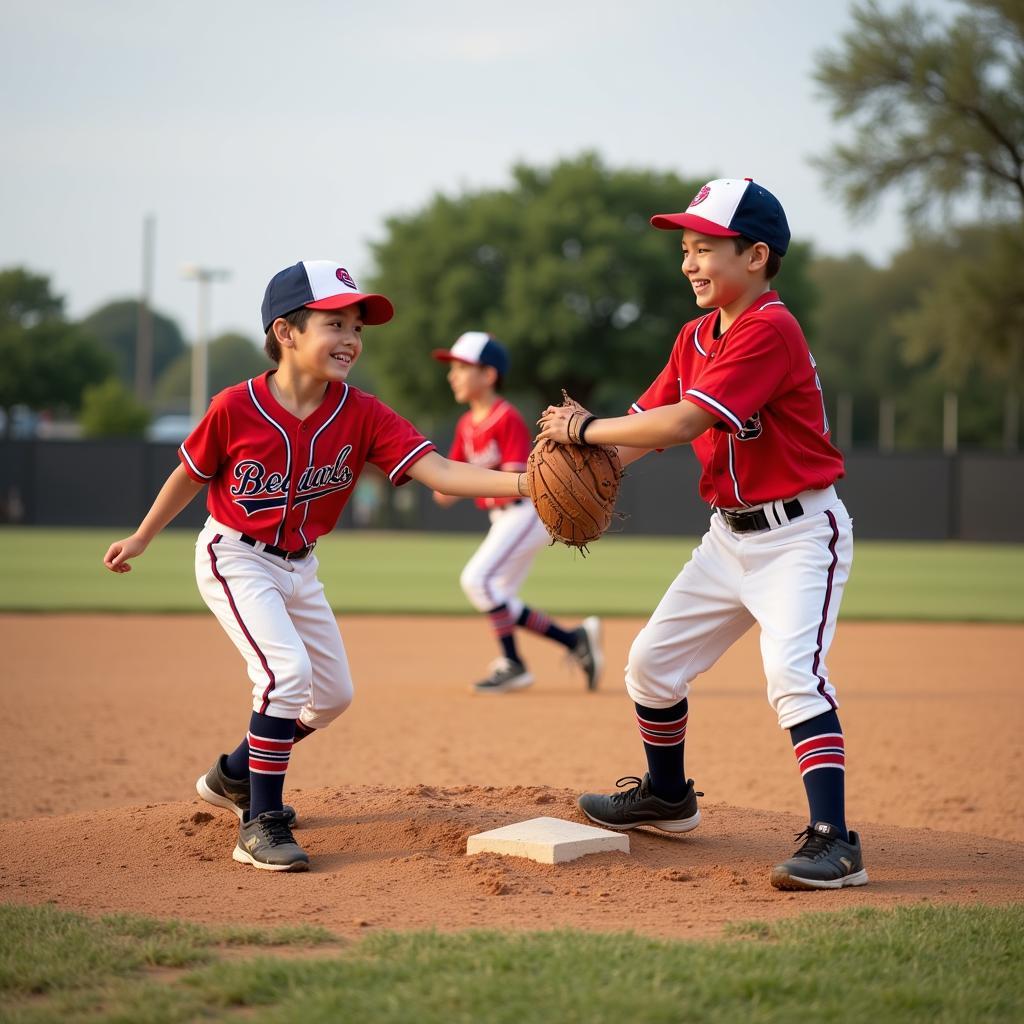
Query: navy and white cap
point(729, 207)
point(320, 284)
point(477, 348)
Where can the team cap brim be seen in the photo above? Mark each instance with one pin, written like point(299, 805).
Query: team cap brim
point(678, 221)
point(376, 308)
point(443, 355)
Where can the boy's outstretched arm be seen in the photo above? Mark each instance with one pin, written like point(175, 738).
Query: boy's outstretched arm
point(176, 493)
point(466, 481)
point(661, 427)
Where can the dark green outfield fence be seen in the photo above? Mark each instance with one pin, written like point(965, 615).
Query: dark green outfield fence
point(969, 496)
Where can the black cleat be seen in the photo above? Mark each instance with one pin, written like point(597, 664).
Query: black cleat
point(267, 842)
point(588, 653)
point(639, 806)
point(824, 861)
point(506, 675)
point(218, 788)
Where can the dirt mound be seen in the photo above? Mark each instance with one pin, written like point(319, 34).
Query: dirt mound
point(395, 858)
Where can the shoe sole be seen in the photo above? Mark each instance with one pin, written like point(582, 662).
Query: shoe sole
point(244, 857)
point(592, 627)
point(216, 799)
point(664, 824)
point(207, 794)
point(793, 883)
point(520, 683)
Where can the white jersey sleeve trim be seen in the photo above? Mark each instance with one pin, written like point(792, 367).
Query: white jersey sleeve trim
point(715, 404)
point(397, 471)
point(637, 407)
point(195, 469)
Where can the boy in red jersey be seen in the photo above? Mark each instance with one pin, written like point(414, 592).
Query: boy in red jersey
point(281, 454)
point(492, 433)
point(740, 386)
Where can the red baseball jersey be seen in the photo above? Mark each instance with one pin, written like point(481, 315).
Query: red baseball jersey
point(771, 440)
point(500, 440)
point(284, 480)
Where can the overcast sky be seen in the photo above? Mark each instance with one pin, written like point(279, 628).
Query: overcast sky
point(261, 133)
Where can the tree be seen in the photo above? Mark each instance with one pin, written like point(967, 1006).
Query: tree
point(563, 266)
point(116, 325)
point(230, 357)
point(47, 362)
point(938, 113)
point(111, 410)
point(937, 110)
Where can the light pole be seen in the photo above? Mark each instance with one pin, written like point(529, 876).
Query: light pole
point(200, 387)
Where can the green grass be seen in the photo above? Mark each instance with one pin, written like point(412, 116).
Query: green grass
point(932, 964)
point(61, 570)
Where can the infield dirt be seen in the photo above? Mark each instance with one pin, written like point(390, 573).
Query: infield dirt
point(113, 718)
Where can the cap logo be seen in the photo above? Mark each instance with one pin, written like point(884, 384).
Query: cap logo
point(701, 196)
point(345, 278)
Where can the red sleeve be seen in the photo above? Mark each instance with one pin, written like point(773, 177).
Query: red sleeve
point(395, 444)
point(667, 387)
point(205, 449)
point(746, 375)
point(514, 443)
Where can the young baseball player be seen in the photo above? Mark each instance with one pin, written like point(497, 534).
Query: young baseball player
point(280, 454)
point(740, 386)
point(492, 433)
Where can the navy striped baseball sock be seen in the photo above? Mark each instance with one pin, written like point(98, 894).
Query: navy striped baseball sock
point(237, 765)
point(270, 747)
point(821, 756)
point(538, 622)
point(663, 731)
point(504, 629)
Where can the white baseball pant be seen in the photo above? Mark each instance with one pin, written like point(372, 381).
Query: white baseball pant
point(789, 580)
point(276, 614)
point(493, 576)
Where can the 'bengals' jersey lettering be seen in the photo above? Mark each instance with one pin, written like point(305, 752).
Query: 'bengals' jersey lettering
point(283, 480)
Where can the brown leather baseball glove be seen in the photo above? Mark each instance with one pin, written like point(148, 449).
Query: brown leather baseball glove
point(574, 486)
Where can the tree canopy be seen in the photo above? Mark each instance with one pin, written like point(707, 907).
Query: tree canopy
point(937, 109)
point(563, 266)
point(47, 361)
point(115, 324)
point(231, 358)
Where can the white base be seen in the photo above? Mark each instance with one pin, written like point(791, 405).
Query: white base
point(547, 840)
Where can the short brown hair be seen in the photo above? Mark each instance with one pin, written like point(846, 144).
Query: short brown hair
point(774, 264)
point(298, 318)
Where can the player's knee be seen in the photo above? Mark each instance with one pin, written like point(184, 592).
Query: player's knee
point(792, 692)
point(649, 677)
point(473, 586)
point(337, 702)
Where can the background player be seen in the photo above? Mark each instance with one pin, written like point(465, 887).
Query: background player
point(741, 387)
point(491, 433)
point(281, 454)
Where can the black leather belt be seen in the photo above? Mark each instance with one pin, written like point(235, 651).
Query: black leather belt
point(290, 556)
point(757, 519)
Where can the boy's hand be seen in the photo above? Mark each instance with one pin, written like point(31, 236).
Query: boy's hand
point(554, 424)
point(444, 500)
point(116, 558)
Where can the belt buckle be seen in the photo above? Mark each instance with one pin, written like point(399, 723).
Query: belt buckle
point(729, 517)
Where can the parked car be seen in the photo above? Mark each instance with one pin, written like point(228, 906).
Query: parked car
point(172, 427)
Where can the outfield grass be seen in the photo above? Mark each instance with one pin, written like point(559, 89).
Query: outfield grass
point(929, 964)
point(61, 570)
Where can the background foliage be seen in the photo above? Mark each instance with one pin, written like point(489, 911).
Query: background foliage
point(562, 265)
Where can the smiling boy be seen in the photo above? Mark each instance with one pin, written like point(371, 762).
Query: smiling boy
point(740, 386)
point(280, 454)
